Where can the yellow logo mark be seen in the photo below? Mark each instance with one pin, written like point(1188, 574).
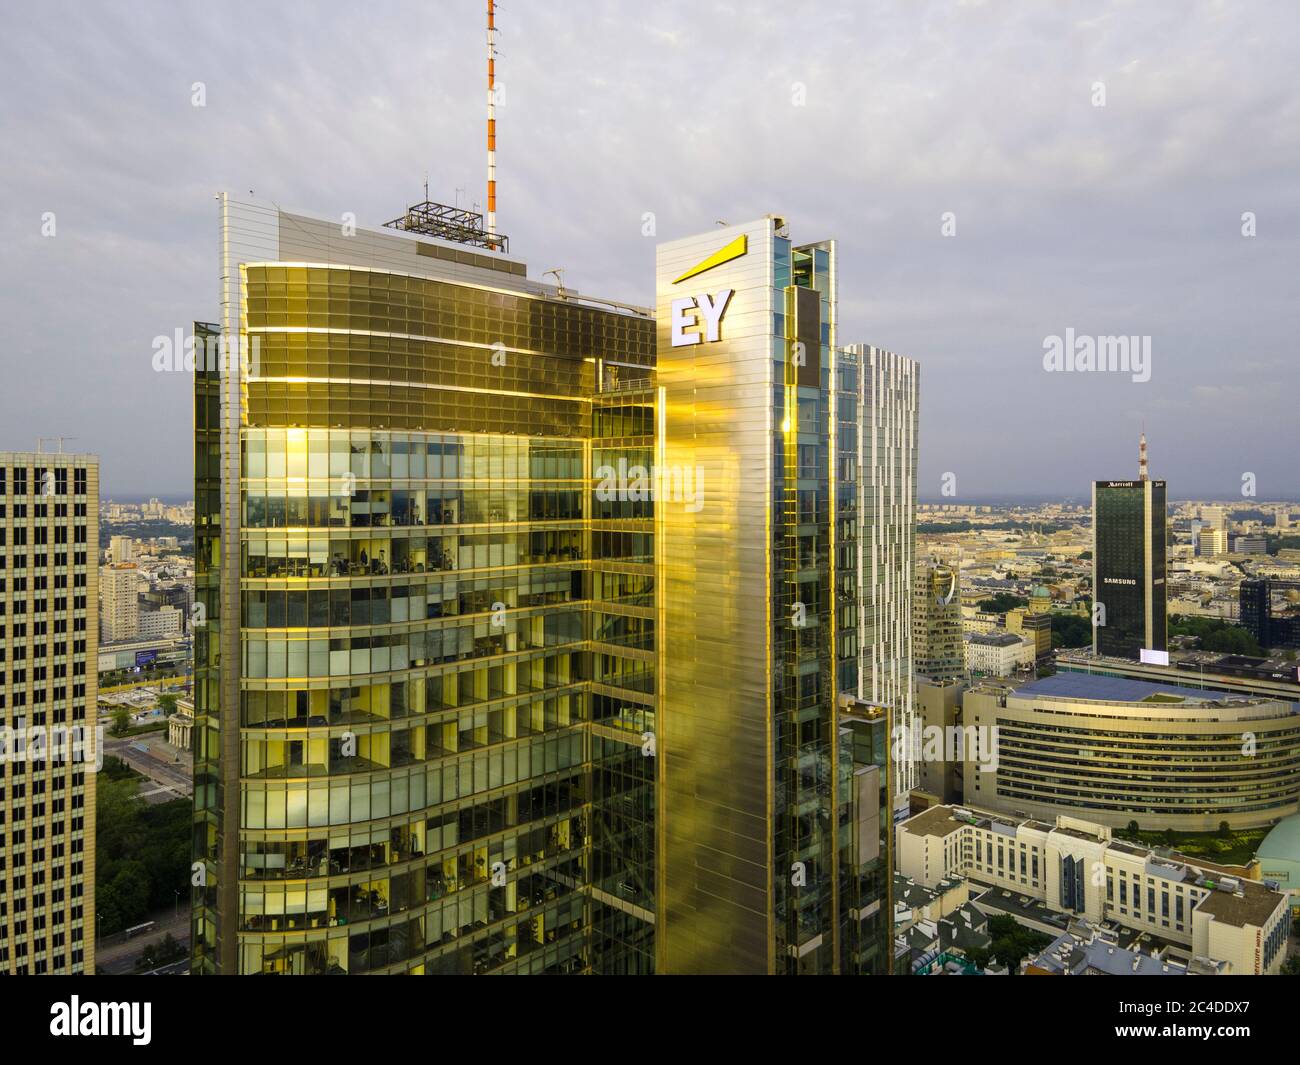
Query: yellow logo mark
point(734, 250)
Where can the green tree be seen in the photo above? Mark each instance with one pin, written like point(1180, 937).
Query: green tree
point(1012, 942)
point(1071, 630)
point(121, 721)
point(1001, 603)
point(167, 703)
point(1225, 830)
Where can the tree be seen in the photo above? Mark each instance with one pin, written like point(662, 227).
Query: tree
point(1013, 942)
point(1225, 830)
point(1001, 603)
point(167, 703)
point(121, 721)
point(1215, 634)
point(1133, 829)
point(1071, 630)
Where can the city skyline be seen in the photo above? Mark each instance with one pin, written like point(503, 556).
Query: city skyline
point(1066, 216)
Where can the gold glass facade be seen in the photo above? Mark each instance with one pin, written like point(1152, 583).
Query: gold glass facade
point(429, 758)
point(767, 796)
point(520, 647)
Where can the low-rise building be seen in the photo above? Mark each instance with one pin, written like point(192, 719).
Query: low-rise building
point(1088, 951)
point(159, 624)
point(1078, 868)
point(998, 654)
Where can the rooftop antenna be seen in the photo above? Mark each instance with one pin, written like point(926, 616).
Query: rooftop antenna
point(40, 443)
point(491, 120)
point(1142, 455)
point(560, 290)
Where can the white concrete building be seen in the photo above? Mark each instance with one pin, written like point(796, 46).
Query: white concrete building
point(159, 624)
point(1077, 867)
point(998, 654)
point(119, 611)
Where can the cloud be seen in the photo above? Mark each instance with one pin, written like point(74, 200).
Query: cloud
point(1122, 219)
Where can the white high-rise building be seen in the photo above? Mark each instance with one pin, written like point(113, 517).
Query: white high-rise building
point(1211, 542)
point(121, 549)
point(119, 597)
point(879, 401)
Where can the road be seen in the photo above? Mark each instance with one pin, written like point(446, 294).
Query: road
point(169, 780)
point(117, 958)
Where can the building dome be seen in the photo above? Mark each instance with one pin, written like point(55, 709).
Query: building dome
point(1279, 856)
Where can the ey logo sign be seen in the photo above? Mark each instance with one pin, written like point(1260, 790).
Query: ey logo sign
point(692, 312)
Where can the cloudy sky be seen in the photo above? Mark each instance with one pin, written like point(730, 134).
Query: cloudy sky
point(868, 123)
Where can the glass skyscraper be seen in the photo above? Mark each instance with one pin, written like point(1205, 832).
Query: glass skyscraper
point(1128, 550)
point(426, 659)
point(532, 625)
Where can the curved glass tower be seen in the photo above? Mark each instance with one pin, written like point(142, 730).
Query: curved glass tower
point(426, 661)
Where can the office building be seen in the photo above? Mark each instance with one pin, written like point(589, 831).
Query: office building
point(1211, 542)
point(878, 404)
point(1270, 611)
point(425, 661)
point(121, 549)
point(1129, 535)
point(938, 650)
point(1249, 545)
point(760, 758)
point(484, 569)
point(159, 624)
point(49, 536)
point(119, 602)
point(1036, 627)
point(938, 712)
point(1079, 869)
point(1119, 750)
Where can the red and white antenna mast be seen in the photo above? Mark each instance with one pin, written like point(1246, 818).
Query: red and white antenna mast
point(492, 120)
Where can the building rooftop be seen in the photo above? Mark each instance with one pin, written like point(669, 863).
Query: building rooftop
point(991, 639)
point(1099, 688)
point(936, 821)
point(1086, 951)
point(1253, 905)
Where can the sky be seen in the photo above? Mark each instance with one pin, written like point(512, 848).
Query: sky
point(996, 174)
